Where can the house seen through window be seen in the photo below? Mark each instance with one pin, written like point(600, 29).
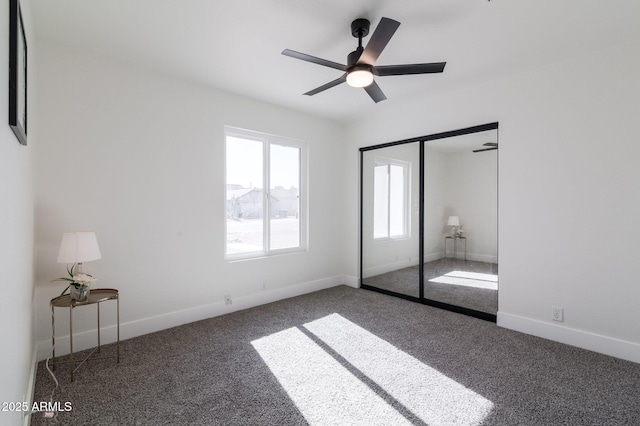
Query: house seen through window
point(265, 189)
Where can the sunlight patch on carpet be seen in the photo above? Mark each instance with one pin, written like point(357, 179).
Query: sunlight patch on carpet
point(430, 395)
point(324, 391)
point(468, 279)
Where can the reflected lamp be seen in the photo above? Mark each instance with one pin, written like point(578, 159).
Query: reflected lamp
point(78, 247)
point(453, 222)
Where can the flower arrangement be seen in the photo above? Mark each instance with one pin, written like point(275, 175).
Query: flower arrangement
point(78, 281)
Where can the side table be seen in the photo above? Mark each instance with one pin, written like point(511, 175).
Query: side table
point(96, 297)
point(455, 240)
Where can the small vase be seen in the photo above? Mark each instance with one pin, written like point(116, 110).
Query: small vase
point(80, 293)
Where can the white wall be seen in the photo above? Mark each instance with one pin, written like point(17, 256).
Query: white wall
point(567, 172)
point(138, 158)
point(435, 192)
point(16, 229)
point(471, 193)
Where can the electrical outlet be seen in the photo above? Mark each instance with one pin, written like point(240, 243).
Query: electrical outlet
point(227, 299)
point(264, 284)
point(557, 313)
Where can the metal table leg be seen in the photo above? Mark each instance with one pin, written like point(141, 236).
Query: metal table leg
point(53, 337)
point(97, 297)
point(73, 362)
point(118, 330)
point(98, 305)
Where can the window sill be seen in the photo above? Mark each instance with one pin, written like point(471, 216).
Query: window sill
point(258, 256)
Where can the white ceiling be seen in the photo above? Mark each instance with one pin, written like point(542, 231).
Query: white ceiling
point(235, 44)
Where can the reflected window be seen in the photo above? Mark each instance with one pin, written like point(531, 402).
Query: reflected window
point(391, 185)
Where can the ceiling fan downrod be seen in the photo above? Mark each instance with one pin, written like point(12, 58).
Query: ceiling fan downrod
point(359, 29)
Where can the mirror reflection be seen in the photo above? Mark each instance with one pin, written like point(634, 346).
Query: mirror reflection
point(460, 222)
point(391, 184)
point(459, 235)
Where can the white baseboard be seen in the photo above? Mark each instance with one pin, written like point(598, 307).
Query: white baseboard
point(429, 257)
point(582, 339)
point(31, 385)
point(108, 334)
point(486, 258)
point(389, 267)
point(433, 256)
point(351, 281)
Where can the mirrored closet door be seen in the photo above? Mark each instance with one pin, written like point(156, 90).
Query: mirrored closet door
point(429, 220)
point(390, 244)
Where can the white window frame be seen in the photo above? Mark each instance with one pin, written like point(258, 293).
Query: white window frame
point(267, 140)
point(406, 217)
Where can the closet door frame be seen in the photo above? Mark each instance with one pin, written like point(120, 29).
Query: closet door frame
point(421, 299)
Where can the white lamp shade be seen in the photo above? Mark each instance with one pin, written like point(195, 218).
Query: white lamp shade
point(453, 221)
point(78, 247)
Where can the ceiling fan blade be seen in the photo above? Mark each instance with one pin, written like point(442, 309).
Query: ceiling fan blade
point(375, 92)
point(329, 85)
point(384, 70)
point(485, 149)
point(313, 59)
point(378, 41)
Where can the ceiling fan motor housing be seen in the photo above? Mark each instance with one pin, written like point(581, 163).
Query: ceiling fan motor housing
point(353, 57)
point(360, 27)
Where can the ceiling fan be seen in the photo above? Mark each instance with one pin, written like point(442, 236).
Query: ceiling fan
point(361, 67)
point(491, 146)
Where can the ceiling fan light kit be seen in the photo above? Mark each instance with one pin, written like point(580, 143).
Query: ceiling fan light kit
point(359, 77)
point(360, 67)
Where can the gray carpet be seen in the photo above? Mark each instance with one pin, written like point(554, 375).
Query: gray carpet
point(347, 356)
point(405, 281)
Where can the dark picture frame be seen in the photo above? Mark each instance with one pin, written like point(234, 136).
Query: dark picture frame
point(17, 73)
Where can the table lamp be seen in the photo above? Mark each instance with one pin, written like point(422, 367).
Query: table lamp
point(453, 222)
point(78, 247)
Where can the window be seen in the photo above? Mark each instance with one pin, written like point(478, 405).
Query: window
point(265, 193)
point(391, 198)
